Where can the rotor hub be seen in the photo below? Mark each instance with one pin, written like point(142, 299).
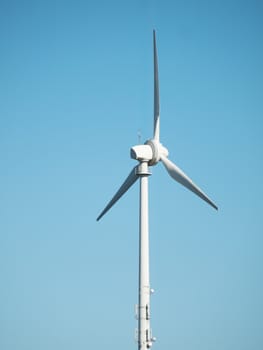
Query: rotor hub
point(158, 150)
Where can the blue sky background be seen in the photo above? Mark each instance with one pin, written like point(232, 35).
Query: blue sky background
point(76, 86)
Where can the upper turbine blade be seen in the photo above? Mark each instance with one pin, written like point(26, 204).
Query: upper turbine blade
point(178, 175)
point(124, 187)
point(156, 132)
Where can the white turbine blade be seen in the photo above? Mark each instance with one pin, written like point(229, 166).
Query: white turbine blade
point(178, 175)
point(156, 132)
point(124, 187)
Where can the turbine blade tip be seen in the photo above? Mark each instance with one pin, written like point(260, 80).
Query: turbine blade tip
point(214, 205)
point(99, 217)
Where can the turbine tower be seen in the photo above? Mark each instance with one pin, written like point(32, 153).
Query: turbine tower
point(149, 154)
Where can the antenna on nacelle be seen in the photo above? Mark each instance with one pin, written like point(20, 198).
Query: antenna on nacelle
point(139, 135)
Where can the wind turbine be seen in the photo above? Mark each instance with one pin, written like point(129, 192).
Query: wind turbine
point(150, 154)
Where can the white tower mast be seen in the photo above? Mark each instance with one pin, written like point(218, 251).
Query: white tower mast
point(144, 330)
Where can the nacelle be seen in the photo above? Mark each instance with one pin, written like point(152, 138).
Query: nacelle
point(142, 153)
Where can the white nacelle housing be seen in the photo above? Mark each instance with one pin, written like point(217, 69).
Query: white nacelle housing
point(142, 152)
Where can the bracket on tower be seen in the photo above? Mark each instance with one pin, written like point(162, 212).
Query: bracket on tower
point(136, 311)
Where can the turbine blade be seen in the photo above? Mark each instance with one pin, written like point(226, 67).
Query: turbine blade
point(178, 175)
point(156, 132)
point(124, 187)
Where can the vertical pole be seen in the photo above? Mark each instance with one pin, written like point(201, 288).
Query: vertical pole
point(144, 333)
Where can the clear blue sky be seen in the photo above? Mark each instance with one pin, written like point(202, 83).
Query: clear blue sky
point(76, 86)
